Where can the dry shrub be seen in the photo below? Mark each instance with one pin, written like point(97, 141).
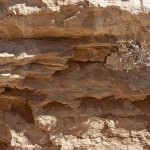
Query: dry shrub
point(135, 54)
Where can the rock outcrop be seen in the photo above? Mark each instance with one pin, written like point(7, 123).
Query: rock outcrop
point(74, 75)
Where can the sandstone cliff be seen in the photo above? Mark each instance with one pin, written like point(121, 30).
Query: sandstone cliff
point(74, 75)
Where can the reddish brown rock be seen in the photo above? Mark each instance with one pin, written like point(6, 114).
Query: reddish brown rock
point(74, 75)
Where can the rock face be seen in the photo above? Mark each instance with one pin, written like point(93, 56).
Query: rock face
point(74, 75)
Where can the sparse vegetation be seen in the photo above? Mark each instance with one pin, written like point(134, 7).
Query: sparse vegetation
point(134, 54)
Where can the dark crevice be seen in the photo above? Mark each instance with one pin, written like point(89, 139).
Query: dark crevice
point(56, 106)
point(25, 94)
point(16, 101)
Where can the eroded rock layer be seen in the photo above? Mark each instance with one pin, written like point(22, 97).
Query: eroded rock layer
point(74, 75)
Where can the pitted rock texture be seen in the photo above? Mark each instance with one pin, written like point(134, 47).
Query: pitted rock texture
point(74, 75)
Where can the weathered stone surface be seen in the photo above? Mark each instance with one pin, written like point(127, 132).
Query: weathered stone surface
point(74, 75)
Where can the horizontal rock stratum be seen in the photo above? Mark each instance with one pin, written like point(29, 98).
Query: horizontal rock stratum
point(74, 75)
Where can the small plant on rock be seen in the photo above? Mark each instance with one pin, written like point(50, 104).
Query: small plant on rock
point(134, 55)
